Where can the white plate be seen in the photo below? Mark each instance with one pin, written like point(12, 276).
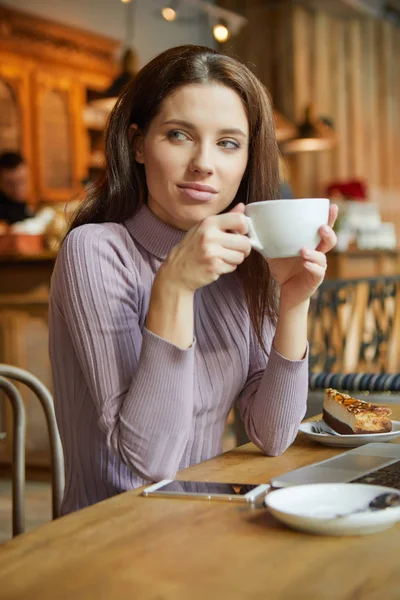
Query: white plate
point(348, 441)
point(313, 508)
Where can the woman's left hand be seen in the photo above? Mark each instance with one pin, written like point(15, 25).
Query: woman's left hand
point(299, 277)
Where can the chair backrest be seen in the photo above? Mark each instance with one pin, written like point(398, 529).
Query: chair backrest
point(7, 373)
point(354, 325)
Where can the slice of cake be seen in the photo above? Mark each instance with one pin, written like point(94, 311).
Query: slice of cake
point(346, 415)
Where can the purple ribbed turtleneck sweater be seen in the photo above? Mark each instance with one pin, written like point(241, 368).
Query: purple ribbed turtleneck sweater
point(132, 407)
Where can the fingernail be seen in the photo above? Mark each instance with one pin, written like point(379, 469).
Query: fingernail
point(326, 229)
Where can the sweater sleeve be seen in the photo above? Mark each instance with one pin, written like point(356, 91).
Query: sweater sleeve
point(142, 385)
point(274, 399)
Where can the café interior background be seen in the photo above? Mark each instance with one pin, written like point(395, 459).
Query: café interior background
point(332, 73)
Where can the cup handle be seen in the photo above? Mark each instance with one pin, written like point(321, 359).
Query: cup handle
point(254, 241)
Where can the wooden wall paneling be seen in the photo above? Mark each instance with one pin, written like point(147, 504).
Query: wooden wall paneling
point(356, 120)
point(281, 50)
point(348, 69)
point(343, 100)
point(243, 46)
point(396, 52)
point(339, 90)
point(390, 74)
point(323, 97)
point(303, 165)
point(370, 92)
point(382, 114)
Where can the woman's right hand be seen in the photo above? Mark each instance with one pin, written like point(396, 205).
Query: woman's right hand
point(210, 249)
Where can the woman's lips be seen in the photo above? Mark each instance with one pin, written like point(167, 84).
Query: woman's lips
point(201, 193)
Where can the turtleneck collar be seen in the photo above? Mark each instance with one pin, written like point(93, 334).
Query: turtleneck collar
point(154, 235)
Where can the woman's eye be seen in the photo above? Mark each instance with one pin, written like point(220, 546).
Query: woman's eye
point(229, 144)
point(175, 134)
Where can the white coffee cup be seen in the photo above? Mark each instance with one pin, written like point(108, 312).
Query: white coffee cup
point(281, 228)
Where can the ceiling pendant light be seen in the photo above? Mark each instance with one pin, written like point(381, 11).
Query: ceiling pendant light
point(314, 135)
point(170, 12)
point(221, 32)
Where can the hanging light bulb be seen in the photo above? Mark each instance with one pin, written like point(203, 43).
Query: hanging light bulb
point(221, 32)
point(169, 13)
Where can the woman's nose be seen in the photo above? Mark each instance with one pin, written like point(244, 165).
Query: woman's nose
point(201, 162)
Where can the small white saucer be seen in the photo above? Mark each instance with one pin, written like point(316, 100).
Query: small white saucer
point(347, 441)
point(313, 508)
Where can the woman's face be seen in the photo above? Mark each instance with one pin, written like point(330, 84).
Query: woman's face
point(195, 153)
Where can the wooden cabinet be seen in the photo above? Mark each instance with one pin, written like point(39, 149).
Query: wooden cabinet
point(46, 70)
point(59, 102)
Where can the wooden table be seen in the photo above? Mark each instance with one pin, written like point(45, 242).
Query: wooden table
point(155, 549)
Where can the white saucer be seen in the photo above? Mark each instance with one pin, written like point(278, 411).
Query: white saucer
point(348, 441)
point(313, 508)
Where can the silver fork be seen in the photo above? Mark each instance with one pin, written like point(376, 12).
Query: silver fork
point(316, 428)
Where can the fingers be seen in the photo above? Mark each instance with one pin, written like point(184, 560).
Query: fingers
point(232, 257)
point(328, 239)
point(315, 263)
point(316, 270)
point(239, 208)
point(314, 257)
point(333, 213)
point(328, 236)
point(231, 221)
point(235, 241)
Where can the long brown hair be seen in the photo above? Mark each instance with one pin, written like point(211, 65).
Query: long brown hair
point(122, 190)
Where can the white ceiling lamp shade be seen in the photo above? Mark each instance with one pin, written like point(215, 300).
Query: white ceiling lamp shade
point(314, 135)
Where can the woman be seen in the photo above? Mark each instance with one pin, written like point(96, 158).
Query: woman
point(160, 317)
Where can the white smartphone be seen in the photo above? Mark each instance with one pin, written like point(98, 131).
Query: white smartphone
point(238, 492)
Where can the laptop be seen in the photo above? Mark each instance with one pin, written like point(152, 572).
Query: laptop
point(376, 464)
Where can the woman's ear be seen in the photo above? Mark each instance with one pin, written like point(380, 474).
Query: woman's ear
point(136, 142)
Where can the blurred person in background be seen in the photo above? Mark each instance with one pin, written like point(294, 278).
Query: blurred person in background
point(13, 188)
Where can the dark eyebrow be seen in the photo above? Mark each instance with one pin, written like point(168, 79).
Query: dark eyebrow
point(229, 131)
